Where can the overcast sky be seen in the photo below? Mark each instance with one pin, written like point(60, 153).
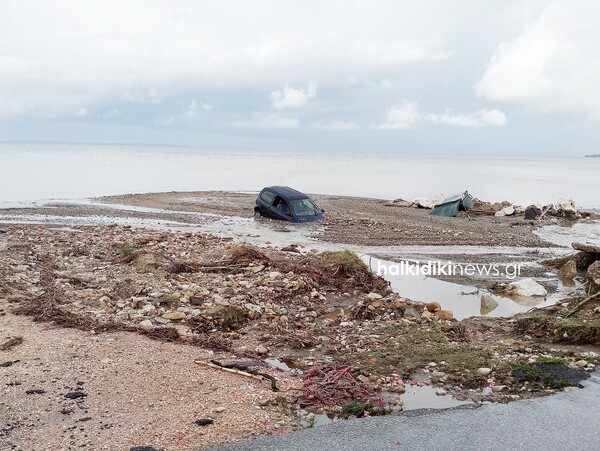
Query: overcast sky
point(479, 77)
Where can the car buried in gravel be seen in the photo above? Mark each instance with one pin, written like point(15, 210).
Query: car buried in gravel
point(287, 204)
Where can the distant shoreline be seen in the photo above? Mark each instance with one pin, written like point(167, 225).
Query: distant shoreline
point(594, 155)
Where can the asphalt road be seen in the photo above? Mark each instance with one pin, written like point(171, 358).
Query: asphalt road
point(569, 420)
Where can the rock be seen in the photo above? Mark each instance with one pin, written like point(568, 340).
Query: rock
point(374, 296)
point(526, 287)
point(433, 306)
point(364, 379)
point(274, 275)
point(174, 316)
point(586, 247)
point(593, 277)
point(445, 315)
point(508, 211)
point(161, 321)
point(261, 350)
point(441, 392)
point(148, 308)
point(488, 304)
point(581, 363)
point(411, 312)
point(204, 421)
point(483, 371)
point(196, 300)
point(75, 395)
point(568, 271)
point(566, 205)
point(146, 324)
point(264, 402)
point(436, 376)
point(143, 448)
point(219, 409)
point(426, 314)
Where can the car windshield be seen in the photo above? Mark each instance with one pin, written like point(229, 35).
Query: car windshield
point(304, 207)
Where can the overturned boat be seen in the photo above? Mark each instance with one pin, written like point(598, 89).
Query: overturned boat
point(453, 204)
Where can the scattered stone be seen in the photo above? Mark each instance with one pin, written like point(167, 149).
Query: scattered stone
point(219, 409)
point(161, 321)
point(142, 448)
point(75, 395)
point(8, 363)
point(433, 307)
point(262, 350)
point(196, 300)
point(441, 392)
point(483, 371)
point(147, 324)
point(204, 421)
point(411, 312)
point(374, 296)
point(35, 391)
point(446, 315)
point(174, 316)
point(581, 363)
point(83, 419)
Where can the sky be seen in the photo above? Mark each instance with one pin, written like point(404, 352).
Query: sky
point(470, 76)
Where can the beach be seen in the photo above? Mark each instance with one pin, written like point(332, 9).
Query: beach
point(195, 276)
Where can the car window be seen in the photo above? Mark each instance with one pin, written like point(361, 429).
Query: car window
point(267, 196)
point(304, 207)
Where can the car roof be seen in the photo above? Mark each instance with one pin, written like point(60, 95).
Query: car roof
point(286, 192)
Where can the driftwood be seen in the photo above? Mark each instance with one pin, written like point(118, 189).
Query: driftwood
point(242, 372)
point(581, 304)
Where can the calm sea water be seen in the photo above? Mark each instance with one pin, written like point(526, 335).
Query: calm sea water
point(41, 171)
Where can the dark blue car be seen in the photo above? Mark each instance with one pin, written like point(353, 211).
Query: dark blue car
point(287, 204)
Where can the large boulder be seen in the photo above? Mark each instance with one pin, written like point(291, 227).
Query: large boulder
point(488, 304)
point(526, 287)
point(568, 271)
point(593, 277)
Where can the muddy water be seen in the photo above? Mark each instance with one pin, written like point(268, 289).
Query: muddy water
point(464, 301)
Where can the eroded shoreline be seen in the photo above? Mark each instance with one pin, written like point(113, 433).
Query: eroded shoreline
point(269, 304)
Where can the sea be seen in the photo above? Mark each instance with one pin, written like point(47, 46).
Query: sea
point(34, 172)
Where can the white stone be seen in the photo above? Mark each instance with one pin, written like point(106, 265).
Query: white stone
point(526, 287)
point(484, 371)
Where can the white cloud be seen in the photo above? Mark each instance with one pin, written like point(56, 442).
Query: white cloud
point(401, 116)
point(337, 126)
point(58, 57)
point(383, 84)
point(480, 118)
point(406, 114)
point(554, 64)
point(195, 107)
point(291, 97)
point(82, 112)
point(268, 123)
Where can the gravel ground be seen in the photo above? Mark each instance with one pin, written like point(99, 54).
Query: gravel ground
point(361, 221)
point(349, 220)
point(138, 392)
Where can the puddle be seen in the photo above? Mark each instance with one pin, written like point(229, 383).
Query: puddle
point(424, 397)
point(463, 300)
point(281, 365)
